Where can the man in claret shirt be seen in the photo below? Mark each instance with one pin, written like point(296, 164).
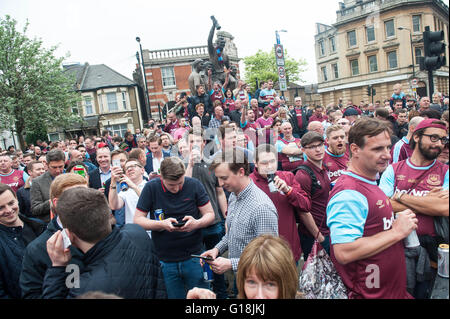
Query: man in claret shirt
point(421, 184)
point(318, 115)
point(299, 118)
point(288, 198)
point(336, 158)
point(313, 147)
point(366, 242)
point(289, 149)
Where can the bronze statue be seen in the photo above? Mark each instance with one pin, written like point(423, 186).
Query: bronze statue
point(196, 77)
point(218, 58)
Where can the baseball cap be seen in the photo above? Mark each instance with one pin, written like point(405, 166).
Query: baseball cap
point(430, 123)
point(100, 145)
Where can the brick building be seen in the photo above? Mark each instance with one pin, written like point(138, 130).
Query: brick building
point(376, 42)
point(167, 72)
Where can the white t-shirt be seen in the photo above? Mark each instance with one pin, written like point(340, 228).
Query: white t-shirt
point(130, 199)
point(157, 164)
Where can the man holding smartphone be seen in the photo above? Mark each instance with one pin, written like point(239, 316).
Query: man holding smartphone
point(181, 199)
point(134, 172)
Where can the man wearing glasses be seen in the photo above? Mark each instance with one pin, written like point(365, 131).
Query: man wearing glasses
point(134, 177)
point(317, 191)
point(421, 184)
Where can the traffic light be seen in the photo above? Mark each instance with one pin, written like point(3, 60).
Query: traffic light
point(374, 92)
point(434, 47)
point(369, 90)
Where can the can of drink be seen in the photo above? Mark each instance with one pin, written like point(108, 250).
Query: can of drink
point(412, 240)
point(443, 260)
point(207, 272)
point(159, 215)
point(123, 186)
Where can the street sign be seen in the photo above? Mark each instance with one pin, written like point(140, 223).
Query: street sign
point(283, 84)
point(279, 54)
point(281, 72)
point(414, 83)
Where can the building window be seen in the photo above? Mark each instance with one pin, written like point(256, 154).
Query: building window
point(351, 36)
point(417, 23)
point(417, 54)
point(332, 44)
point(334, 67)
point(373, 65)
point(88, 106)
point(168, 76)
point(392, 60)
point(324, 73)
point(354, 66)
point(370, 33)
point(75, 109)
point(389, 28)
point(111, 98)
point(100, 102)
point(321, 48)
point(124, 100)
point(119, 129)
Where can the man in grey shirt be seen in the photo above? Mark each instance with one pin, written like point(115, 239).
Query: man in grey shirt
point(251, 212)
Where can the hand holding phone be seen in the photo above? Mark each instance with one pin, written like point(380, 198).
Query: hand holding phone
point(179, 224)
point(66, 240)
point(208, 258)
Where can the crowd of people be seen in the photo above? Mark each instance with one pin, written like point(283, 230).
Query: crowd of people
point(240, 183)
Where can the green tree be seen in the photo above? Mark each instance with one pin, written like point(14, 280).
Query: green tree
point(262, 66)
point(35, 92)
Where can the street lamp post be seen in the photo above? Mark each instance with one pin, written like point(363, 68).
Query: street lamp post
point(277, 36)
point(412, 49)
point(145, 77)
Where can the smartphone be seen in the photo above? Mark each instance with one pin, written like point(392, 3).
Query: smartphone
point(203, 257)
point(66, 240)
point(180, 224)
point(116, 163)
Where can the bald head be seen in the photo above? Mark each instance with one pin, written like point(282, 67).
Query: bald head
point(414, 122)
point(315, 126)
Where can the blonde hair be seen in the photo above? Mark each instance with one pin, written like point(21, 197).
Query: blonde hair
point(63, 181)
point(271, 259)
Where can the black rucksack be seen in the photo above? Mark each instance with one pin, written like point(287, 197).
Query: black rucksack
point(314, 183)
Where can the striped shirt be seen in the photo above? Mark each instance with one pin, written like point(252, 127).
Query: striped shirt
point(246, 221)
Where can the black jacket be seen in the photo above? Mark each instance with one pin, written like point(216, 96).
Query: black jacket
point(13, 241)
point(36, 261)
point(293, 120)
point(124, 263)
point(23, 196)
point(195, 99)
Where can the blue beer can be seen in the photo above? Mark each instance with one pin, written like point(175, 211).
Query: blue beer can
point(159, 215)
point(123, 186)
point(207, 272)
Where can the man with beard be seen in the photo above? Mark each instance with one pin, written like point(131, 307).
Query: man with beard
point(421, 184)
point(336, 158)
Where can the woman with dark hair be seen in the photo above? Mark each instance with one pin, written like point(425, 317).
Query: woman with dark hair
point(229, 101)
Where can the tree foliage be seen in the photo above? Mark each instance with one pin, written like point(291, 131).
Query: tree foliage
point(262, 66)
point(35, 92)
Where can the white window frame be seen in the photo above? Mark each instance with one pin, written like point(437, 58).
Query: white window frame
point(351, 67)
point(124, 99)
point(324, 73)
point(348, 39)
point(367, 34)
point(389, 62)
point(120, 129)
point(165, 78)
point(111, 94)
point(369, 64)
point(420, 23)
point(335, 69)
point(332, 44)
point(88, 98)
point(386, 29)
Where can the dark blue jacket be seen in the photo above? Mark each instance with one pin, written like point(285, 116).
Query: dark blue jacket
point(36, 261)
point(149, 161)
point(124, 263)
point(13, 241)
